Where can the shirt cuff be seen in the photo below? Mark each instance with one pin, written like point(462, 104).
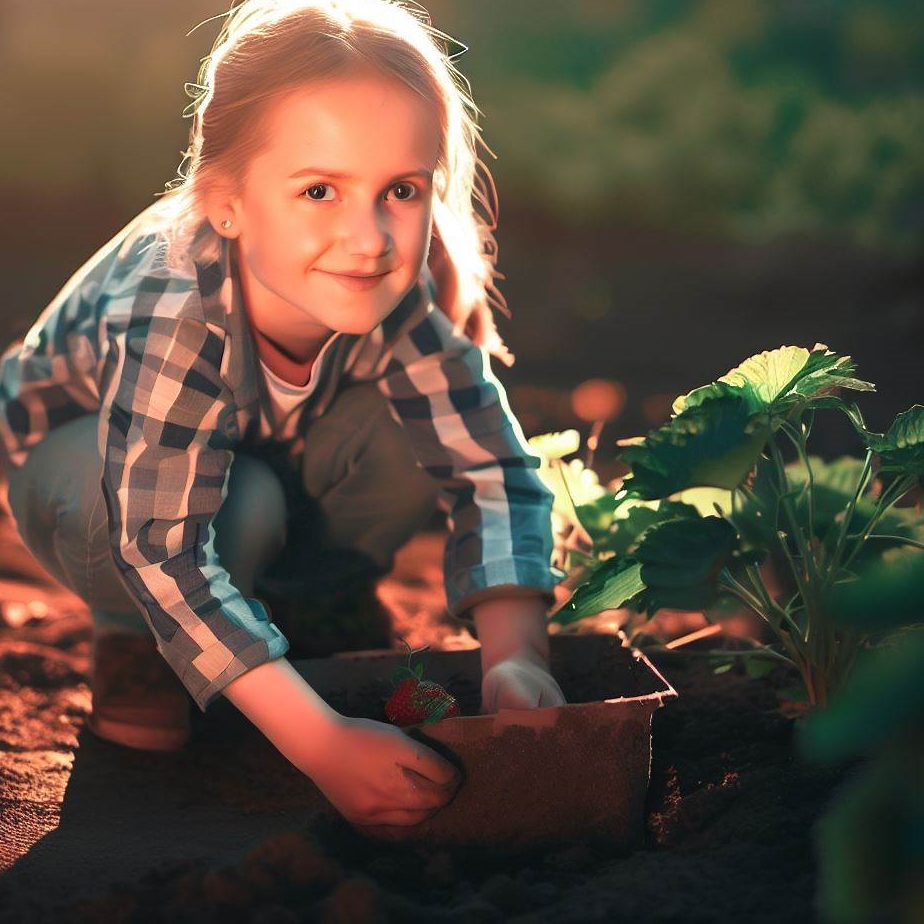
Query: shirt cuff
point(514, 577)
point(218, 665)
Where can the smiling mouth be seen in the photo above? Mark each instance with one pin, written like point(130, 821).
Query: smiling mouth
point(355, 275)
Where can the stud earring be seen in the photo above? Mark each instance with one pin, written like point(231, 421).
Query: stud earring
point(226, 223)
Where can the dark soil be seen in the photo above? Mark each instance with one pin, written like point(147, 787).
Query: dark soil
point(729, 813)
point(729, 820)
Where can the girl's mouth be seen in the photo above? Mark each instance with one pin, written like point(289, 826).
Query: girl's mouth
point(356, 283)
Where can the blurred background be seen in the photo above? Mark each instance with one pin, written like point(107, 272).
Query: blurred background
point(682, 183)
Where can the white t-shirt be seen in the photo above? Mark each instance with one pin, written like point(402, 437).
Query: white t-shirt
point(279, 421)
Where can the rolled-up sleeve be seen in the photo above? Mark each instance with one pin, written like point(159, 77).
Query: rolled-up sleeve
point(167, 460)
point(443, 392)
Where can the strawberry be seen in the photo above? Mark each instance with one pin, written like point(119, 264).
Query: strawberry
point(415, 700)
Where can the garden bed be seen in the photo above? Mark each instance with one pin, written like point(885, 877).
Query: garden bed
point(728, 837)
point(228, 830)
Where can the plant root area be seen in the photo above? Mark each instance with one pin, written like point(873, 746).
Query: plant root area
point(229, 831)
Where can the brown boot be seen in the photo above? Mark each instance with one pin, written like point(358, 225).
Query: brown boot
point(138, 701)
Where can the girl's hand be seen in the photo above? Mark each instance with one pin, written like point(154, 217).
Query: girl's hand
point(374, 774)
point(520, 681)
point(515, 654)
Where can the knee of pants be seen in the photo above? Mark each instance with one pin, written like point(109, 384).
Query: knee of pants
point(53, 503)
point(251, 523)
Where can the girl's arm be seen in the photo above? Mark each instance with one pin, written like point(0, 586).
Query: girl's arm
point(509, 627)
point(371, 772)
point(278, 700)
point(458, 420)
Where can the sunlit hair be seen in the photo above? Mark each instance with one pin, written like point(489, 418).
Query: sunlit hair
point(268, 47)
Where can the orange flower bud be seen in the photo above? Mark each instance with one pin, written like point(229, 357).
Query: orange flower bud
point(598, 399)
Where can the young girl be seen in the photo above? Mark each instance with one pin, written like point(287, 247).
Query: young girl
point(303, 317)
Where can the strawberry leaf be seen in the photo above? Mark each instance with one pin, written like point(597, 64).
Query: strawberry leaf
point(901, 449)
point(609, 588)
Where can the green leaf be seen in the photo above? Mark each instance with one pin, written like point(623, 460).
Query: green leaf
point(883, 696)
point(596, 517)
point(402, 673)
point(693, 597)
point(849, 409)
point(638, 517)
point(869, 845)
point(759, 667)
point(720, 429)
point(781, 380)
point(684, 553)
point(614, 583)
point(714, 443)
point(887, 593)
point(901, 449)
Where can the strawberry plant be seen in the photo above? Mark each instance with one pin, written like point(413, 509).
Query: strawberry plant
point(415, 700)
point(726, 493)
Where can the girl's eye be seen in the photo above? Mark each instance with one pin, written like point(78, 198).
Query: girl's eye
point(411, 191)
point(312, 189)
point(408, 192)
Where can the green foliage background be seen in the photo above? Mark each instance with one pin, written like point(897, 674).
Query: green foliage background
point(738, 117)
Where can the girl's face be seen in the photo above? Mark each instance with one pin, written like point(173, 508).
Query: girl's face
point(342, 190)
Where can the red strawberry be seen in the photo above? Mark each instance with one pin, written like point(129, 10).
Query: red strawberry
point(415, 700)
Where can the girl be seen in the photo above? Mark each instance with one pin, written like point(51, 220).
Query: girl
point(302, 318)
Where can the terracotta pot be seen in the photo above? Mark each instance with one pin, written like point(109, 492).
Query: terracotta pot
point(530, 776)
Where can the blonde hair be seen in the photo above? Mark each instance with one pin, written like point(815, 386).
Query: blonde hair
point(268, 47)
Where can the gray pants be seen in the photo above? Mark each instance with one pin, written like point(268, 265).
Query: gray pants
point(362, 489)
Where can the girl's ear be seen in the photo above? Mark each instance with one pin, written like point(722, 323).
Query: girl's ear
point(444, 275)
point(223, 213)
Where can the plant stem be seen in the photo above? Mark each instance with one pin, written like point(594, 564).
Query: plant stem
point(808, 560)
point(862, 483)
point(763, 592)
point(904, 540)
point(727, 580)
point(798, 441)
point(736, 589)
point(759, 652)
point(891, 495)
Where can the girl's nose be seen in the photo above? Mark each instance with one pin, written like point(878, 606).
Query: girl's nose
point(366, 232)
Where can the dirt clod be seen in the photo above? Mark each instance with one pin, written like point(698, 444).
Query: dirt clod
point(357, 900)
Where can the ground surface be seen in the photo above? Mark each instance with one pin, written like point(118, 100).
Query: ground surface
point(240, 835)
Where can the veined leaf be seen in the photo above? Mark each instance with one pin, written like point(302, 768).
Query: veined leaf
point(705, 500)
point(608, 589)
point(902, 447)
point(769, 378)
point(628, 528)
point(720, 429)
point(685, 553)
point(712, 444)
point(696, 598)
point(596, 517)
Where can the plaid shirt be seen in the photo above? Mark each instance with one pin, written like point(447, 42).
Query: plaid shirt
point(169, 363)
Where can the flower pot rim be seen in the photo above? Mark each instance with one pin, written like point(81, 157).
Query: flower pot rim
point(536, 716)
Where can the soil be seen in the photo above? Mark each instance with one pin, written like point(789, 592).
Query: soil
point(728, 831)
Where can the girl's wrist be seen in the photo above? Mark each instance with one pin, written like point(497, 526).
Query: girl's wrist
point(295, 719)
point(512, 627)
